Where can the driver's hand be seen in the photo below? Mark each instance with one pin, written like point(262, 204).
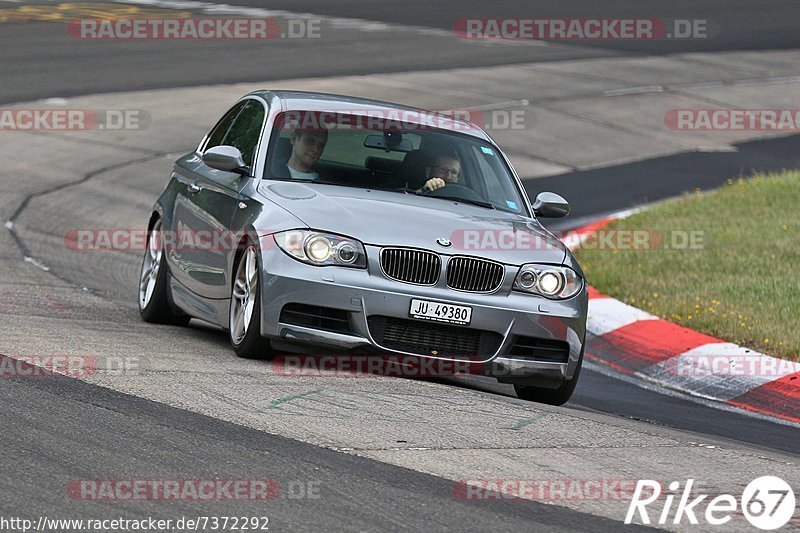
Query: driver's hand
point(433, 184)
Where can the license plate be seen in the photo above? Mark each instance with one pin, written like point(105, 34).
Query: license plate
point(439, 312)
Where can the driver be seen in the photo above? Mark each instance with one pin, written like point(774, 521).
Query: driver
point(445, 169)
point(307, 147)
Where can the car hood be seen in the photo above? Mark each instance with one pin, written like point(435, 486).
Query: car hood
point(386, 218)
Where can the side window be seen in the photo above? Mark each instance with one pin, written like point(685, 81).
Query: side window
point(222, 127)
point(246, 130)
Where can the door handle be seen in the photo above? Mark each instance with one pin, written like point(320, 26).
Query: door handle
point(194, 188)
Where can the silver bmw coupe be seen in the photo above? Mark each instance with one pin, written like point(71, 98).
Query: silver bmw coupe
point(317, 223)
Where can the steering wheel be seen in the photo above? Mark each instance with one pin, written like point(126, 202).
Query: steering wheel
point(456, 190)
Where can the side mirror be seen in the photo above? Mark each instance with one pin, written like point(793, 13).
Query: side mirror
point(227, 159)
point(550, 205)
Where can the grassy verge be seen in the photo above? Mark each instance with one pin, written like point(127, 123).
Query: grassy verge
point(725, 262)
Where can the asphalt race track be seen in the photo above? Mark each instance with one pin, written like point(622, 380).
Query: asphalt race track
point(37, 60)
point(130, 434)
point(384, 453)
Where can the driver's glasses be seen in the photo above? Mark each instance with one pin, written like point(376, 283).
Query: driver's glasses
point(447, 171)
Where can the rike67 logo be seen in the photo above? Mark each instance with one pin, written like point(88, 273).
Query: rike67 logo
point(767, 503)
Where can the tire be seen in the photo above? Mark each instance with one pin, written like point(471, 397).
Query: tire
point(154, 303)
point(244, 316)
point(557, 396)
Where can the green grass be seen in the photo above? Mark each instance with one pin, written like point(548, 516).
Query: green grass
point(741, 285)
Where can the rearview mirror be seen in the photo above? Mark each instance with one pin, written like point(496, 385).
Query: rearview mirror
point(227, 159)
point(390, 141)
point(550, 205)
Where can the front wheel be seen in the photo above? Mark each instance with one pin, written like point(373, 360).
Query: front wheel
point(154, 305)
point(245, 310)
point(557, 396)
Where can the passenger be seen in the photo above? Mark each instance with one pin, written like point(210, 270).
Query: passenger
point(307, 148)
point(445, 169)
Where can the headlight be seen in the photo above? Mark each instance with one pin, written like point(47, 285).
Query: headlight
point(320, 249)
point(554, 282)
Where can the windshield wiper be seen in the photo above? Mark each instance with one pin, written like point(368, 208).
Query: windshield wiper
point(479, 203)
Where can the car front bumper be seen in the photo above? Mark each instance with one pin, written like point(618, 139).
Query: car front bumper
point(364, 293)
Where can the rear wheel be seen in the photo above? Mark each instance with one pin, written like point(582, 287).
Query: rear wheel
point(557, 396)
point(154, 304)
point(245, 310)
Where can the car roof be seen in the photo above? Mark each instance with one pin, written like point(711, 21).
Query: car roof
point(314, 101)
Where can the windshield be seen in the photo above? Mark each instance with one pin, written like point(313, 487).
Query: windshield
point(372, 153)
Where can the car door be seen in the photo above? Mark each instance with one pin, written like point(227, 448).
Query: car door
point(205, 208)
